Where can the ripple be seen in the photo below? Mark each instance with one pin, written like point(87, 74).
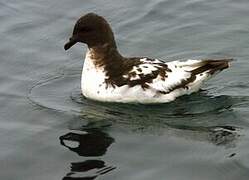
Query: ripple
point(62, 93)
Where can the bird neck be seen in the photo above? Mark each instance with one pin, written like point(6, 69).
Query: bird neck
point(105, 55)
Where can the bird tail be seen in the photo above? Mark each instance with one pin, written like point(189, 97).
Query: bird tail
point(210, 66)
point(202, 70)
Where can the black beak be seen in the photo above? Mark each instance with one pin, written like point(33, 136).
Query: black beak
point(72, 41)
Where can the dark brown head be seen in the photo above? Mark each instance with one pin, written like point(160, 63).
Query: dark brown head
point(92, 30)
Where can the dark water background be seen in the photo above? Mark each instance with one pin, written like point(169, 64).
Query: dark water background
point(49, 131)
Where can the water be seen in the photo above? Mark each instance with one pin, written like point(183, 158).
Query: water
point(49, 131)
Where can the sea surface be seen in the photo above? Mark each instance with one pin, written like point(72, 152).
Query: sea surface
point(49, 131)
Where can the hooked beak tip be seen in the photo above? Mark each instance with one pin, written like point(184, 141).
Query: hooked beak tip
point(70, 43)
point(66, 46)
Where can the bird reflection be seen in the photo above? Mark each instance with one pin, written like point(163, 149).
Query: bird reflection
point(196, 118)
point(96, 167)
point(91, 142)
point(218, 135)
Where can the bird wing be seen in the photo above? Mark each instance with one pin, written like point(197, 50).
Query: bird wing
point(167, 77)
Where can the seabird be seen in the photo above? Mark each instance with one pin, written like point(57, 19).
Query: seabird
point(110, 77)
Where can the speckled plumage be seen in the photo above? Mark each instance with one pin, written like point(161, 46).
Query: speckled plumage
point(110, 77)
point(160, 89)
